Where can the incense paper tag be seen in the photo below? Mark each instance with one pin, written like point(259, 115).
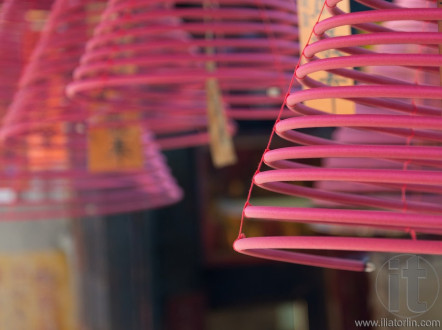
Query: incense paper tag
point(35, 292)
point(47, 150)
point(308, 12)
point(221, 145)
point(115, 149)
point(47, 147)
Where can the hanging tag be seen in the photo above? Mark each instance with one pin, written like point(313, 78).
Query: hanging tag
point(36, 291)
point(47, 146)
point(118, 147)
point(47, 149)
point(308, 12)
point(115, 148)
point(221, 144)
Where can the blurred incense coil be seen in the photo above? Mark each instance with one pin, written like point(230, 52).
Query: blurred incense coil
point(156, 57)
point(20, 26)
point(45, 166)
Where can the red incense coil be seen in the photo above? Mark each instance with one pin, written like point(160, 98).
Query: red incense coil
point(19, 31)
point(21, 23)
point(156, 58)
point(345, 135)
point(46, 173)
point(393, 106)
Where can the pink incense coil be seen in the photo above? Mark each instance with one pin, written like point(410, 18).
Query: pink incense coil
point(74, 192)
point(18, 34)
point(20, 25)
point(177, 122)
point(345, 135)
point(412, 170)
point(174, 49)
point(46, 175)
point(57, 53)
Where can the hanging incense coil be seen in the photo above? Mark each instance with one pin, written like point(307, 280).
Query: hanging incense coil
point(407, 111)
point(346, 135)
point(20, 26)
point(157, 58)
point(48, 175)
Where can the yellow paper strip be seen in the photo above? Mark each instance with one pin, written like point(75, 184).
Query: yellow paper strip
point(35, 292)
point(112, 149)
point(221, 144)
point(308, 12)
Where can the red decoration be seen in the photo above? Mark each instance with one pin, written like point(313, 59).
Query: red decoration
point(406, 168)
point(46, 138)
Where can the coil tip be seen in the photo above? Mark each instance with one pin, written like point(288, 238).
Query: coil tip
point(369, 267)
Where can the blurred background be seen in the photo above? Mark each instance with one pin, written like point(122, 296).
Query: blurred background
point(141, 237)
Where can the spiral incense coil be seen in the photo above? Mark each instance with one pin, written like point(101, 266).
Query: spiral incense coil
point(345, 135)
point(157, 57)
point(21, 23)
point(19, 31)
point(54, 57)
point(46, 174)
point(74, 192)
point(401, 169)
